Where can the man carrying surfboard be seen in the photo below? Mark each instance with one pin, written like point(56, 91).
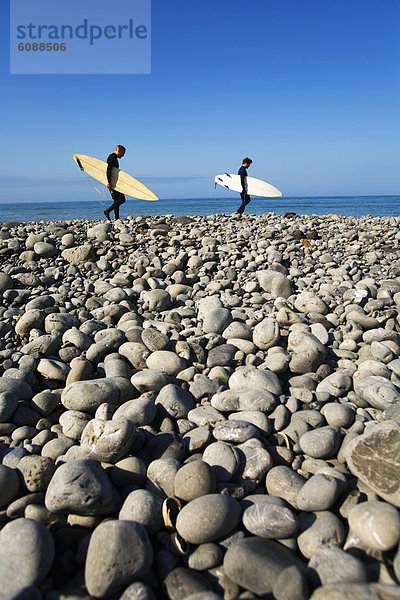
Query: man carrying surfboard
point(246, 162)
point(112, 161)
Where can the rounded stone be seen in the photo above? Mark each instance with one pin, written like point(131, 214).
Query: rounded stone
point(144, 507)
point(9, 485)
point(208, 518)
point(67, 239)
point(275, 283)
point(141, 411)
point(237, 330)
point(249, 378)
point(321, 443)
point(318, 528)
point(44, 249)
point(193, 480)
point(77, 338)
point(31, 319)
point(310, 302)
point(16, 387)
point(164, 360)
point(257, 399)
point(255, 563)
point(119, 553)
point(149, 380)
point(8, 404)
point(338, 414)
point(174, 401)
point(108, 441)
point(135, 352)
point(161, 475)
point(205, 415)
point(73, 422)
point(6, 283)
point(20, 434)
point(285, 483)
point(291, 584)
point(26, 555)
point(270, 521)
point(318, 493)
point(221, 356)
point(205, 556)
point(59, 322)
point(155, 340)
point(78, 254)
point(45, 402)
point(138, 591)
point(158, 300)
point(254, 417)
point(255, 460)
point(376, 524)
point(222, 459)
point(378, 391)
point(307, 352)
point(165, 445)
point(182, 583)
point(86, 396)
point(235, 431)
point(331, 564)
point(197, 438)
point(80, 487)
point(51, 368)
point(128, 471)
point(277, 362)
point(337, 384)
point(266, 334)
point(36, 472)
point(216, 320)
point(12, 456)
point(116, 367)
point(57, 447)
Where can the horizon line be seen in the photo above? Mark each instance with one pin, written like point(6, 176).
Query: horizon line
point(225, 198)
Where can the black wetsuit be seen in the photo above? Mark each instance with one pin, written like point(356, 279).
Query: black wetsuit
point(243, 194)
point(112, 161)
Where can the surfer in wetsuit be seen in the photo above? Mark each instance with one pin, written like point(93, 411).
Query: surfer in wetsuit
point(112, 161)
point(246, 162)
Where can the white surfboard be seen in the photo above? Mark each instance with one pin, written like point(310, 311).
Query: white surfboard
point(255, 187)
point(120, 181)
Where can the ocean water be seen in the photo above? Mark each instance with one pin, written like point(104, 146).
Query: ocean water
point(356, 206)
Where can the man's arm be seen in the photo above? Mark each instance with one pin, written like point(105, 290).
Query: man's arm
point(111, 162)
point(243, 179)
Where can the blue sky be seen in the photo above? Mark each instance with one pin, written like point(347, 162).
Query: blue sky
point(310, 90)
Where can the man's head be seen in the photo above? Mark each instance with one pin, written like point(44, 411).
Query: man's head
point(246, 162)
point(120, 151)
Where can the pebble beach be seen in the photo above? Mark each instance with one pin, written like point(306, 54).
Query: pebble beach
point(200, 408)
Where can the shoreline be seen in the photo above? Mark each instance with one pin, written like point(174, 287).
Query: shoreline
point(93, 209)
point(172, 218)
point(247, 367)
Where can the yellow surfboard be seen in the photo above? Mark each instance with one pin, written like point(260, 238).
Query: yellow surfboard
point(120, 181)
